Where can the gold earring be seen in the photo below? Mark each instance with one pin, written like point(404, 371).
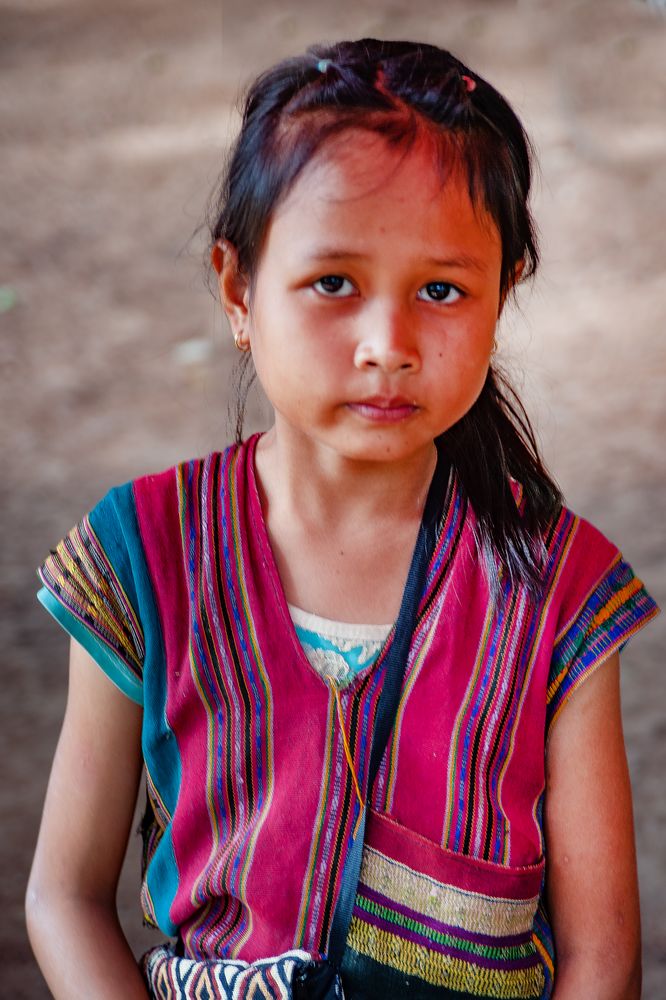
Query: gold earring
point(241, 344)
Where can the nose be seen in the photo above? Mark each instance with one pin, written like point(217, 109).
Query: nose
point(387, 342)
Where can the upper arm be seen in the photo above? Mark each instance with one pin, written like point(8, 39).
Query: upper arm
point(92, 789)
point(591, 866)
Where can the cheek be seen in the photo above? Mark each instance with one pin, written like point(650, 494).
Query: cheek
point(462, 366)
point(467, 348)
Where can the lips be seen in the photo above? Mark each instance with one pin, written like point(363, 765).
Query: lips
point(384, 409)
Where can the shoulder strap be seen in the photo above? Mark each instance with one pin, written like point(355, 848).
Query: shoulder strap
point(394, 667)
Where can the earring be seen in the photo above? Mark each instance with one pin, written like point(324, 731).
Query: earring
point(241, 344)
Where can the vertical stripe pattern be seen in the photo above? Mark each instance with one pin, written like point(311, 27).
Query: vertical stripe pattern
point(251, 799)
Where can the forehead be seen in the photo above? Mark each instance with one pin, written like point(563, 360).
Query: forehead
point(359, 185)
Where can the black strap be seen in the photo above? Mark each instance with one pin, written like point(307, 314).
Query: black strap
point(395, 663)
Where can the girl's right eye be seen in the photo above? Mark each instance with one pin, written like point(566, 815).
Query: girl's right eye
point(333, 286)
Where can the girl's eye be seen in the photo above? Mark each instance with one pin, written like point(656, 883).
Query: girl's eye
point(333, 285)
point(440, 291)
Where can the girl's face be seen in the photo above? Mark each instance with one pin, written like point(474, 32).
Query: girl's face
point(373, 312)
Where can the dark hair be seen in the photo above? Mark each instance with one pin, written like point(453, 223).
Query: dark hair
point(393, 89)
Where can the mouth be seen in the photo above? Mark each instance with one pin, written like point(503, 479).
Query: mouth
point(384, 409)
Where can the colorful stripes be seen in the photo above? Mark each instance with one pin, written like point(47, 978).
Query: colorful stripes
point(450, 532)
point(510, 651)
point(80, 575)
point(381, 911)
point(251, 800)
point(609, 615)
point(435, 931)
point(338, 807)
point(231, 681)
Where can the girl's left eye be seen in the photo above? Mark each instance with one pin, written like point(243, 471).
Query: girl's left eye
point(440, 291)
point(333, 286)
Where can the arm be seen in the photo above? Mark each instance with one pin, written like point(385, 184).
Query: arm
point(591, 876)
point(71, 910)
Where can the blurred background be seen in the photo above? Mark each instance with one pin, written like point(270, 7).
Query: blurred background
point(114, 120)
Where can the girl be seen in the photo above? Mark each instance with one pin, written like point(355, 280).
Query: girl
point(372, 221)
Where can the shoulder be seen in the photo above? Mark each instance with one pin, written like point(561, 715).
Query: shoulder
point(154, 489)
point(145, 512)
point(586, 563)
point(163, 479)
point(577, 551)
point(586, 580)
point(590, 582)
point(576, 554)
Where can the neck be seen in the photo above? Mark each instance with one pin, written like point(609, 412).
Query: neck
point(316, 485)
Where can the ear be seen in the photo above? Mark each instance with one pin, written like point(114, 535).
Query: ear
point(234, 291)
point(518, 269)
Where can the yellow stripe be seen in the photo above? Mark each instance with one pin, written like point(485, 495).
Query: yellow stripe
point(543, 954)
point(453, 753)
point(616, 601)
point(392, 769)
point(345, 742)
point(317, 828)
point(443, 970)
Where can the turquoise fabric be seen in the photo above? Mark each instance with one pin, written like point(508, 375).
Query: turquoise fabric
point(116, 522)
point(355, 658)
point(107, 658)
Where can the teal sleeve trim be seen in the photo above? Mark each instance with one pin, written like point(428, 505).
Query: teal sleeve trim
point(112, 665)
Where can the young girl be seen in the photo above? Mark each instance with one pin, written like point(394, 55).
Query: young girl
point(372, 221)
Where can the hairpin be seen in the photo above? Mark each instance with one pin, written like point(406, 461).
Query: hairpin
point(323, 65)
point(470, 84)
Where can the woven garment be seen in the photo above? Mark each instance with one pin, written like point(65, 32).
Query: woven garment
point(171, 584)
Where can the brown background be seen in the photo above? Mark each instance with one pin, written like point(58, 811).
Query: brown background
point(114, 119)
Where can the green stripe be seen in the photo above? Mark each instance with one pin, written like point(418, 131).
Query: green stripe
point(505, 953)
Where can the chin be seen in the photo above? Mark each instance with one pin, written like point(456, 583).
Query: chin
point(380, 448)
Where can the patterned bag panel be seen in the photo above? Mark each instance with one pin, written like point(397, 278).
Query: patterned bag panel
point(172, 977)
point(429, 923)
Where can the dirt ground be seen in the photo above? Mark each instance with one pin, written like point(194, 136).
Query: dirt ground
point(114, 119)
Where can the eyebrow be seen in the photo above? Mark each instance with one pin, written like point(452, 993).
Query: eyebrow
point(335, 253)
point(463, 261)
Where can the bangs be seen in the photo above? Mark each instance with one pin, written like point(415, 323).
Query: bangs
point(494, 182)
